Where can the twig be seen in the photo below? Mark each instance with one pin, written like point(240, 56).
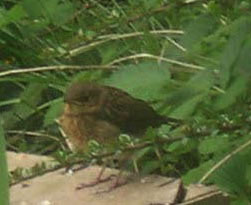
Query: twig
point(45, 171)
point(56, 68)
point(35, 134)
point(146, 55)
point(135, 34)
point(111, 37)
point(224, 160)
point(176, 44)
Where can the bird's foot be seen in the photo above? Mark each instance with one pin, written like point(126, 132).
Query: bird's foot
point(118, 183)
point(94, 183)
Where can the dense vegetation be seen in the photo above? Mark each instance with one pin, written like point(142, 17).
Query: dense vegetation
point(189, 59)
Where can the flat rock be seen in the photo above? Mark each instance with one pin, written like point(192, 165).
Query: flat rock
point(59, 187)
point(23, 160)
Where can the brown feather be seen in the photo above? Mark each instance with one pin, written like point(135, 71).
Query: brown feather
point(103, 112)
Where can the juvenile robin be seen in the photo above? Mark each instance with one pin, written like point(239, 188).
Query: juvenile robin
point(102, 113)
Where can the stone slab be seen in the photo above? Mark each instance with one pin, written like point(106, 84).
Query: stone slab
point(59, 188)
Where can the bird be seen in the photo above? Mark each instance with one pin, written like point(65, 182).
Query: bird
point(102, 113)
point(80, 128)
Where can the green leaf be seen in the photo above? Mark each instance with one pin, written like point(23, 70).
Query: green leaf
point(16, 13)
point(29, 100)
point(4, 185)
point(150, 166)
point(242, 66)
point(248, 174)
point(213, 144)
point(151, 4)
point(56, 107)
point(111, 51)
point(236, 88)
point(238, 75)
point(142, 152)
point(150, 44)
point(191, 94)
point(63, 13)
point(240, 32)
point(144, 81)
point(232, 176)
point(194, 175)
point(33, 8)
point(55, 11)
point(13, 15)
point(188, 107)
point(49, 7)
point(197, 30)
point(182, 147)
point(88, 76)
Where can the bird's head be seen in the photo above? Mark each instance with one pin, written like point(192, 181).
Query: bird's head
point(82, 93)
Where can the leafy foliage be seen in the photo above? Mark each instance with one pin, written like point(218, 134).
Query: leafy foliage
point(4, 193)
point(234, 178)
point(189, 60)
point(145, 81)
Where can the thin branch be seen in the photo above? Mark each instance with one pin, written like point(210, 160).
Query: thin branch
point(84, 48)
point(112, 37)
point(56, 166)
point(146, 55)
point(128, 35)
point(109, 66)
point(56, 68)
point(224, 160)
point(176, 44)
point(219, 89)
point(34, 134)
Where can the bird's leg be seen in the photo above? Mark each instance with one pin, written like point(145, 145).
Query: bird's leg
point(120, 180)
point(97, 181)
point(118, 183)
